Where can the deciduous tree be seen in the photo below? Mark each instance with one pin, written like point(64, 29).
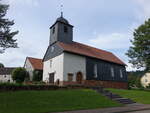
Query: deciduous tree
point(1, 65)
point(139, 52)
point(19, 75)
point(6, 35)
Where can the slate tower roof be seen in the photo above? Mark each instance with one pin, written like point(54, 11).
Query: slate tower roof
point(62, 19)
point(61, 31)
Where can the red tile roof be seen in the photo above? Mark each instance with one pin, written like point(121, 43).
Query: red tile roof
point(86, 50)
point(36, 63)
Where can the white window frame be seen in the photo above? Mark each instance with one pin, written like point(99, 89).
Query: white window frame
point(121, 74)
point(112, 72)
point(95, 71)
point(51, 63)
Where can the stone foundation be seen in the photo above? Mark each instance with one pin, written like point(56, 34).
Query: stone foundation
point(69, 83)
point(106, 84)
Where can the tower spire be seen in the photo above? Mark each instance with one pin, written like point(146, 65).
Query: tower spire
point(61, 10)
point(61, 14)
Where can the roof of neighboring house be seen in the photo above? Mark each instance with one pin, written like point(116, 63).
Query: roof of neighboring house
point(36, 63)
point(6, 70)
point(89, 51)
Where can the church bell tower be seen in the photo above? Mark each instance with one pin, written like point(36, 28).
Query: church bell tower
point(61, 31)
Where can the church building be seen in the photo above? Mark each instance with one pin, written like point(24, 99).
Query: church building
point(67, 62)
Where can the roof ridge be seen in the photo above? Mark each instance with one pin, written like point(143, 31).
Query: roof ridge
point(34, 58)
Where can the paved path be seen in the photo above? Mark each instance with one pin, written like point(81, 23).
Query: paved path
point(129, 109)
point(143, 111)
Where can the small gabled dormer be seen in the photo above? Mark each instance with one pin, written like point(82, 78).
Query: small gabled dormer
point(61, 31)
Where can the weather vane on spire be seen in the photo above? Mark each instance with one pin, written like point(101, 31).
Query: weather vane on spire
point(61, 10)
point(61, 6)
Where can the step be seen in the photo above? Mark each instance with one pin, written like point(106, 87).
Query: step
point(105, 92)
point(124, 101)
point(113, 96)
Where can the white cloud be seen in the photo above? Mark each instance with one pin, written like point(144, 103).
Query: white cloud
point(23, 2)
point(143, 12)
point(111, 41)
point(32, 46)
point(118, 43)
point(130, 67)
point(16, 57)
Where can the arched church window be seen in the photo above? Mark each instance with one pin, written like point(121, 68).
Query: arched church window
point(121, 74)
point(65, 29)
point(112, 72)
point(95, 71)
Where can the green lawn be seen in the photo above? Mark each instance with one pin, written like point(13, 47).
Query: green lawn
point(136, 95)
point(52, 101)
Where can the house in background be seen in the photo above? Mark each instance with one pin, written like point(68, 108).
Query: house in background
point(6, 74)
point(145, 79)
point(69, 62)
point(33, 64)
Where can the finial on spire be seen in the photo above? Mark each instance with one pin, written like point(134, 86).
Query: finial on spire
point(61, 14)
point(61, 10)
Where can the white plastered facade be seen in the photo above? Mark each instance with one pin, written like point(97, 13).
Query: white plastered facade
point(62, 65)
point(29, 68)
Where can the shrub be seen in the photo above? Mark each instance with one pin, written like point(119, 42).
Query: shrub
point(19, 75)
point(1, 65)
point(148, 87)
point(134, 79)
point(37, 75)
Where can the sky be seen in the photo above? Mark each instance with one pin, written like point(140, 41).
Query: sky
point(104, 24)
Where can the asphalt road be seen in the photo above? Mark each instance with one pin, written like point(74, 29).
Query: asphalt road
point(144, 111)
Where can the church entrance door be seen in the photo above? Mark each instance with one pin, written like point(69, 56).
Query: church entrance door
point(79, 77)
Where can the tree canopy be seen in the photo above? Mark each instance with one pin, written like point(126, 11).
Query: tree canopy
point(139, 52)
point(1, 65)
point(19, 75)
point(6, 36)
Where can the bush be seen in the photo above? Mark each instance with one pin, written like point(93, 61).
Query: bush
point(134, 79)
point(148, 87)
point(37, 75)
point(19, 75)
point(1, 65)
point(19, 87)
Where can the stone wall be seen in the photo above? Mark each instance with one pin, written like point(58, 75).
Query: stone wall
point(106, 84)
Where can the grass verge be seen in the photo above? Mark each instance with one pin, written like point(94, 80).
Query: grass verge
point(136, 95)
point(52, 101)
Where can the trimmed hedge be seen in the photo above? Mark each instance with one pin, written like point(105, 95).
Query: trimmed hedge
point(19, 87)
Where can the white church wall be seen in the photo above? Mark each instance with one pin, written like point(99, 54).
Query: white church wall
point(29, 69)
point(54, 65)
point(73, 64)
